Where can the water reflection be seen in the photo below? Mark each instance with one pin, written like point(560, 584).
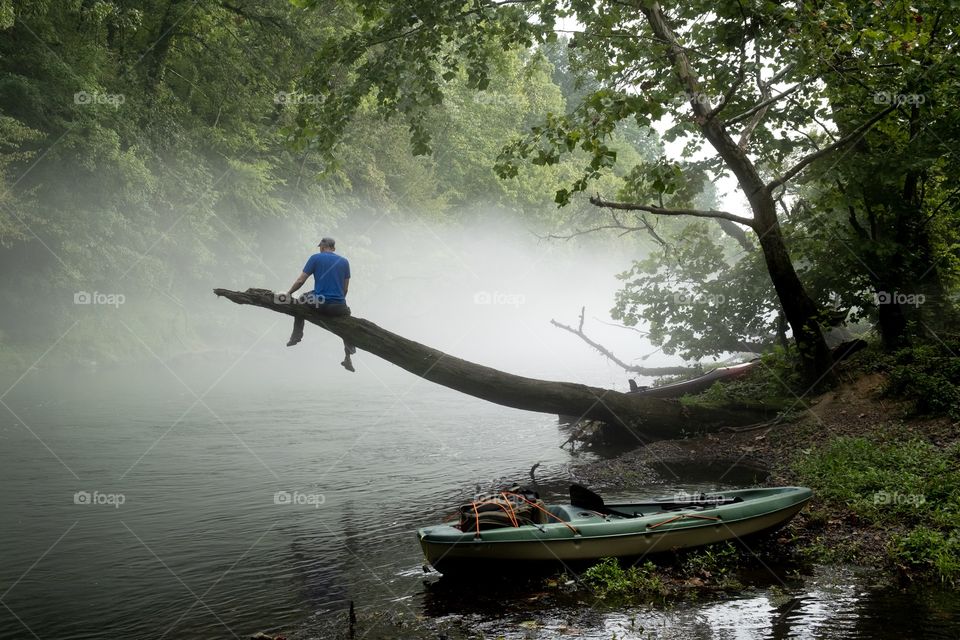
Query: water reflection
point(830, 605)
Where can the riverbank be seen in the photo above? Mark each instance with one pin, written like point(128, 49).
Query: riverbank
point(885, 484)
point(879, 475)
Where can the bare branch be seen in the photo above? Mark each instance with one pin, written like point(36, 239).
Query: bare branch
point(762, 105)
point(660, 211)
point(617, 225)
point(757, 117)
point(643, 371)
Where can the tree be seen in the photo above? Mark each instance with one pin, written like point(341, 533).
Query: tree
point(750, 96)
point(648, 418)
point(891, 202)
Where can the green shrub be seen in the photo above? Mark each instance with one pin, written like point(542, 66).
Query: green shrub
point(608, 578)
point(928, 374)
point(930, 551)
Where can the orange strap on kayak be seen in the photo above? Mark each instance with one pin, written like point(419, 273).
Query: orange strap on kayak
point(554, 516)
point(506, 508)
point(681, 517)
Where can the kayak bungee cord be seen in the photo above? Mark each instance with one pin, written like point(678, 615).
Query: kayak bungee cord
point(680, 517)
point(507, 506)
point(552, 515)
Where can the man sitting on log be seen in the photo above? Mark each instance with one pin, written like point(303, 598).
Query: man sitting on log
point(331, 279)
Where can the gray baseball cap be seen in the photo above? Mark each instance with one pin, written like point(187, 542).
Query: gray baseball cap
point(328, 242)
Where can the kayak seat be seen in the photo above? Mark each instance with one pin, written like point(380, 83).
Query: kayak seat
point(560, 511)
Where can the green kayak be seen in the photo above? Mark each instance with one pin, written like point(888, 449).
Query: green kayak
point(588, 529)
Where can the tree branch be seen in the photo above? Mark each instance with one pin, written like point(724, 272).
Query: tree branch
point(757, 117)
point(762, 105)
point(737, 233)
point(660, 211)
point(652, 418)
point(854, 135)
point(643, 371)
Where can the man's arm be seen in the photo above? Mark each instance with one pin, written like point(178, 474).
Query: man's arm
point(346, 285)
point(298, 283)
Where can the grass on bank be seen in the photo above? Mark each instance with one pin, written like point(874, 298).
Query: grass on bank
point(906, 485)
point(890, 480)
point(714, 567)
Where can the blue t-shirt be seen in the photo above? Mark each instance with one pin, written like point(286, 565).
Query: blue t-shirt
point(330, 273)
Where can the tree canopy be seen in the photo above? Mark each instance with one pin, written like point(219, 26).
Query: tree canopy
point(142, 140)
point(785, 98)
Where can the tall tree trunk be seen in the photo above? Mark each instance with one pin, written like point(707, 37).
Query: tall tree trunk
point(799, 308)
point(157, 56)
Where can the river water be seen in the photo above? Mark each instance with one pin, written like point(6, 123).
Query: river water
point(207, 501)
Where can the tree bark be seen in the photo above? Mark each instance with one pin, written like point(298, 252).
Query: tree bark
point(157, 55)
point(646, 418)
point(800, 309)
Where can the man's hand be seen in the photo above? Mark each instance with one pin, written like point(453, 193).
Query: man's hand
point(298, 283)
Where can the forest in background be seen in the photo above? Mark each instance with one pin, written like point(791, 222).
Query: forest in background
point(145, 145)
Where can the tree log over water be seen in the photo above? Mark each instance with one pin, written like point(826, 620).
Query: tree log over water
point(647, 418)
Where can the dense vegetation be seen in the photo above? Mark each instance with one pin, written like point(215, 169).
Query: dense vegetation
point(145, 145)
point(901, 483)
point(143, 142)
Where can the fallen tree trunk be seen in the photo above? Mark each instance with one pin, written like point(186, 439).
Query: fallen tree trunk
point(646, 418)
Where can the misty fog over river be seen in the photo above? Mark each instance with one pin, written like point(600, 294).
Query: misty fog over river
point(250, 486)
point(539, 201)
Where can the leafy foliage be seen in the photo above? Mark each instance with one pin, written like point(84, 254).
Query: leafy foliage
point(143, 144)
point(928, 374)
point(888, 480)
point(608, 579)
